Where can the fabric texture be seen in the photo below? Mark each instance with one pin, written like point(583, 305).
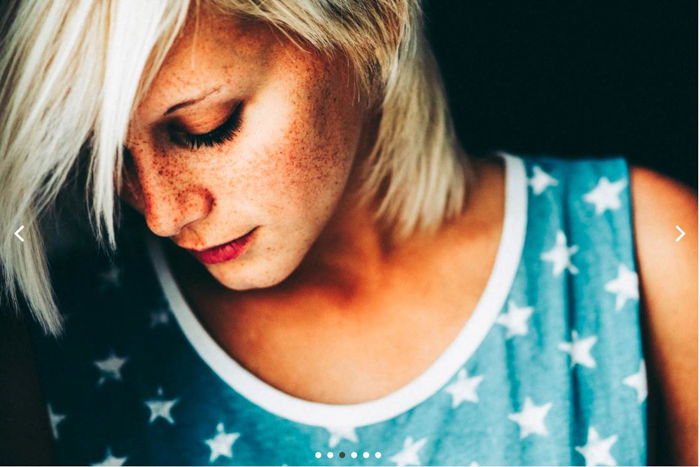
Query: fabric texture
point(548, 370)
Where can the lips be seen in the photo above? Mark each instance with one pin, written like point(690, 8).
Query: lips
point(226, 252)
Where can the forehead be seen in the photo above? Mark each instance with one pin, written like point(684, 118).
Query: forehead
point(212, 51)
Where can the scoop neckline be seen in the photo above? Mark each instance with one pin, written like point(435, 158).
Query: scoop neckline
point(421, 388)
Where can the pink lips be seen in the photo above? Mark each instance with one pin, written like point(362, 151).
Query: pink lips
point(226, 252)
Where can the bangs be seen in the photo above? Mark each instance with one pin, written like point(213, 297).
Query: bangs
point(73, 73)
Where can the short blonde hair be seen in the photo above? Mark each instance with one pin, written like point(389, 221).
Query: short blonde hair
point(73, 73)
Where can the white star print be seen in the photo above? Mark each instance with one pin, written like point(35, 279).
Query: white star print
point(111, 460)
point(464, 389)
point(409, 454)
point(605, 195)
point(159, 317)
point(221, 444)
point(638, 381)
point(531, 418)
point(110, 277)
point(515, 320)
point(110, 368)
point(624, 286)
point(580, 350)
point(541, 180)
point(161, 407)
point(560, 255)
point(597, 451)
point(55, 419)
point(338, 434)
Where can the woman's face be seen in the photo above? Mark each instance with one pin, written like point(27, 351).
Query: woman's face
point(278, 130)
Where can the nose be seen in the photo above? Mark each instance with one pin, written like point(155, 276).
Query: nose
point(167, 202)
point(169, 209)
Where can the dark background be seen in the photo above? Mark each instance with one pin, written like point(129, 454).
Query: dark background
point(573, 78)
point(563, 77)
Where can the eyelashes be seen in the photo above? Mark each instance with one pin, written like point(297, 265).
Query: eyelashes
point(224, 132)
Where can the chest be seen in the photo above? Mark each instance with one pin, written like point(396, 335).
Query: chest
point(351, 349)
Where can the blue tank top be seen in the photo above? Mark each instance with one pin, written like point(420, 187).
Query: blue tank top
point(547, 370)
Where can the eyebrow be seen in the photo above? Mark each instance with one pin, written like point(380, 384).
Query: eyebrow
point(190, 101)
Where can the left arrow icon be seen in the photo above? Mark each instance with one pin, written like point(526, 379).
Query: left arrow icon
point(21, 227)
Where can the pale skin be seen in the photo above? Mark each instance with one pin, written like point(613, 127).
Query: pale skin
point(321, 291)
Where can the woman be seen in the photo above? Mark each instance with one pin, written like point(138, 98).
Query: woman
point(341, 284)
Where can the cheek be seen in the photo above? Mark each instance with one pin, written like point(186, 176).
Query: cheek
point(302, 149)
point(312, 163)
point(293, 189)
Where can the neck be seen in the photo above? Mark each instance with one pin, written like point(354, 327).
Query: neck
point(349, 257)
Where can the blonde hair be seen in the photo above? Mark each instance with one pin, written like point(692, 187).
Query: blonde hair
point(73, 72)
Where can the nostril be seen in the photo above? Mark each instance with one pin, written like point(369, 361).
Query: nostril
point(167, 213)
point(161, 216)
point(161, 230)
point(167, 204)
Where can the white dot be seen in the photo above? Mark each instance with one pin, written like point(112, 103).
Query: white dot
point(353, 454)
point(318, 455)
point(377, 454)
point(330, 455)
point(365, 455)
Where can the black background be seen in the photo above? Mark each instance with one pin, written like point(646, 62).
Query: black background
point(573, 78)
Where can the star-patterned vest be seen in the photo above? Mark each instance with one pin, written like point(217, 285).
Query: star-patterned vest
point(548, 369)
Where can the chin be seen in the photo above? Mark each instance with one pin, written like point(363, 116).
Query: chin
point(242, 277)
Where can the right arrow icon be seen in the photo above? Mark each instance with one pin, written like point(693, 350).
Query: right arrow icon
point(678, 239)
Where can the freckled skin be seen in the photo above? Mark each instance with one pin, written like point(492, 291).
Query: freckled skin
point(286, 168)
point(319, 306)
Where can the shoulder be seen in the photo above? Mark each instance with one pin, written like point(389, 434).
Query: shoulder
point(659, 204)
point(668, 268)
point(668, 282)
point(657, 199)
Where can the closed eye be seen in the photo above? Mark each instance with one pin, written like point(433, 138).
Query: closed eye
point(219, 135)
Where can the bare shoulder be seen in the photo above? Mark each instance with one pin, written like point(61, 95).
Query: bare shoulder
point(668, 268)
point(668, 282)
point(24, 429)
